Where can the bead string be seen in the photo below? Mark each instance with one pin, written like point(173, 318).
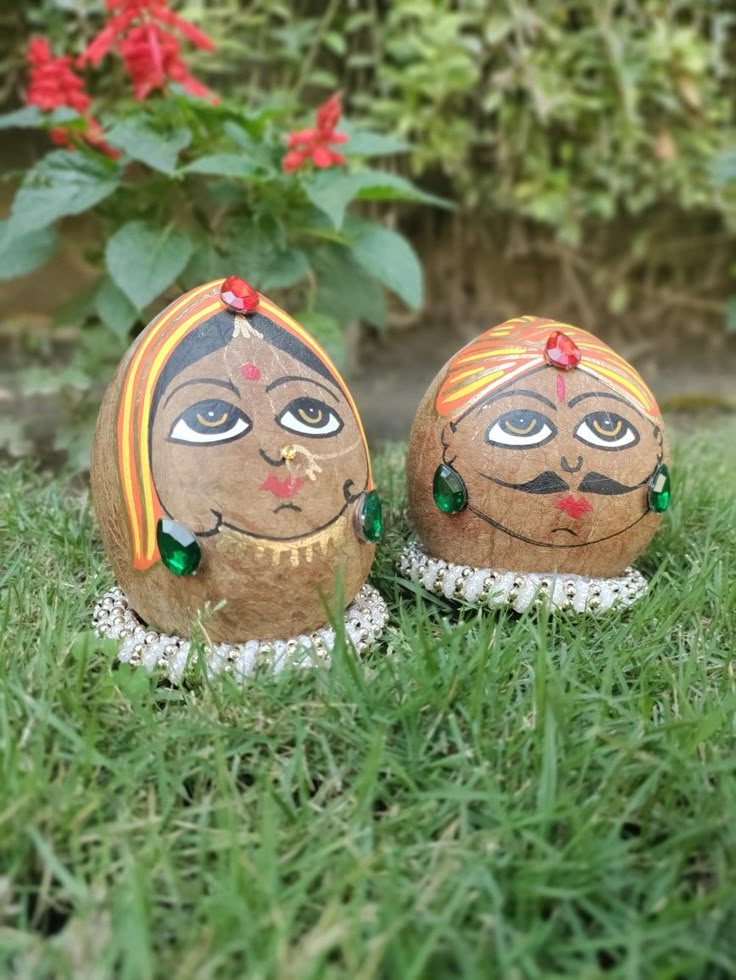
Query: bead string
point(487, 587)
point(113, 618)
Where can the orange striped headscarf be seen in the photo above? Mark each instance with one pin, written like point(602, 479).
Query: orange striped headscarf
point(517, 347)
point(157, 343)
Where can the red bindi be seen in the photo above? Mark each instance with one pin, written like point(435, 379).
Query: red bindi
point(250, 372)
point(561, 393)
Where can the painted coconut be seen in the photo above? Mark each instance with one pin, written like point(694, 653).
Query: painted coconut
point(230, 472)
point(537, 448)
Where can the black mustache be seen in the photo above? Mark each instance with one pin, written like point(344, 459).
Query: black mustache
point(597, 483)
point(547, 482)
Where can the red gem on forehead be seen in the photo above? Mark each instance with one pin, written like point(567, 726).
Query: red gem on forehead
point(251, 372)
point(561, 352)
point(239, 295)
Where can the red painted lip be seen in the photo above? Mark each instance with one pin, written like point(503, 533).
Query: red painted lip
point(575, 507)
point(283, 489)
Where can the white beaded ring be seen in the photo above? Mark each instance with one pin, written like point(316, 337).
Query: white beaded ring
point(365, 619)
point(492, 589)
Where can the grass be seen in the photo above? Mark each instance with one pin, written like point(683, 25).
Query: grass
point(482, 796)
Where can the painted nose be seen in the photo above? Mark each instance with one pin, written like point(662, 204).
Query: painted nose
point(565, 464)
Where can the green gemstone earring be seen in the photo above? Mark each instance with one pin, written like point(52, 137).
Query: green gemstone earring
point(178, 547)
point(369, 517)
point(448, 490)
point(659, 491)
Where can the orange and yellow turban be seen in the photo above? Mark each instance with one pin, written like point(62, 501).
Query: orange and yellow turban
point(517, 347)
point(156, 345)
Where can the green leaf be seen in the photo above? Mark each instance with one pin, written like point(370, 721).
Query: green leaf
point(724, 168)
point(256, 149)
point(204, 265)
point(250, 253)
point(331, 191)
point(367, 144)
point(285, 269)
point(326, 331)
point(24, 254)
point(257, 253)
point(143, 260)
point(335, 42)
point(31, 117)
point(140, 141)
point(344, 290)
point(378, 186)
point(114, 308)
point(77, 309)
point(321, 78)
point(64, 182)
point(39, 380)
point(388, 257)
point(222, 165)
point(497, 28)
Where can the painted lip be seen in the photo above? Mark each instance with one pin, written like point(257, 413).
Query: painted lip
point(574, 507)
point(283, 489)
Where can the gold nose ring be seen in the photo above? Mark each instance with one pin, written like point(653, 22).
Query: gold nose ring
point(289, 453)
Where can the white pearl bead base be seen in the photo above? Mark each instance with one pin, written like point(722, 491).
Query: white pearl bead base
point(491, 589)
point(365, 619)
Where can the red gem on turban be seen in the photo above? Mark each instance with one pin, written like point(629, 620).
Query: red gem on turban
point(239, 295)
point(561, 352)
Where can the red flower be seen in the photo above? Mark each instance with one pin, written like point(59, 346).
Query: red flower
point(151, 53)
point(52, 85)
point(328, 115)
point(315, 144)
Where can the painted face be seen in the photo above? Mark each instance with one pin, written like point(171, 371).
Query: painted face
point(251, 439)
point(556, 460)
point(230, 472)
point(555, 439)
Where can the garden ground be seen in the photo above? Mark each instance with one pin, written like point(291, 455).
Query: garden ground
point(482, 795)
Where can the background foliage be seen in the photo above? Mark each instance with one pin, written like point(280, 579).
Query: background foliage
point(558, 111)
point(597, 136)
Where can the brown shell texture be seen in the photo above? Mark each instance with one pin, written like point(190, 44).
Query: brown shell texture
point(255, 449)
point(555, 464)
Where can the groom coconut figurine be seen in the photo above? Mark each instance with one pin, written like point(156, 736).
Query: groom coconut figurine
point(537, 470)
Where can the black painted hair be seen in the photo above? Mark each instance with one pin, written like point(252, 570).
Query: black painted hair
point(217, 332)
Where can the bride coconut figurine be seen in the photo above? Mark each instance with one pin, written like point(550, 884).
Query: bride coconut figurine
point(537, 471)
point(232, 484)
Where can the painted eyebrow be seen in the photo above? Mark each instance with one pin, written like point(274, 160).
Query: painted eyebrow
point(596, 394)
point(298, 377)
point(204, 381)
point(522, 391)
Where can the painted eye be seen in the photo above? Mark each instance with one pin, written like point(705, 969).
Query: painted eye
point(209, 421)
point(606, 430)
point(310, 417)
point(520, 429)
